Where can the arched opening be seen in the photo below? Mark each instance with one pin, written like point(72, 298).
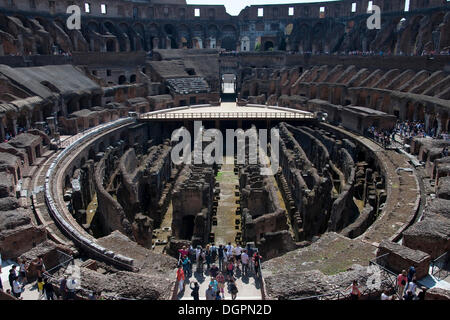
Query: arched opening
point(110, 46)
point(268, 46)
point(133, 78)
point(229, 44)
point(187, 228)
point(122, 79)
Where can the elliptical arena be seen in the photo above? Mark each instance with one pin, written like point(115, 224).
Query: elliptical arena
point(86, 119)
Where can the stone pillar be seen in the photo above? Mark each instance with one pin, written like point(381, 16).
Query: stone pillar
point(439, 122)
point(427, 122)
point(14, 128)
point(2, 130)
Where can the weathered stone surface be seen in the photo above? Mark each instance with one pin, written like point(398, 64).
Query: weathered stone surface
point(128, 285)
point(443, 190)
point(437, 294)
point(8, 203)
point(297, 285)
point(400, 257)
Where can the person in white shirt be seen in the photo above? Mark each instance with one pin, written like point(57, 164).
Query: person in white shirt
point(385, 295)
point(229, 247)
point(244, 261)
point(17, 288)
point(237, 255)
point(412, 286)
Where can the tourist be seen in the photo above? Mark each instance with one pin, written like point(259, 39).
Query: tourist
point(218, 297)
point(233, 290)
point(48, 289)
point(71, 288)
point(421, 295)
point(401, 283)
point(250, 253)
point(229, 254)
point(195, 290)
point(208, 257)
point(214, 284)
point(412, 287)
point(225, 260)
point(256, 262)
point(355, 293)
point(213, 253)
point(186, 266)
point(39, 265)
point(237, 254)
point(445, 152)
point(191, 252)
point(408, 296)
point(244, 261)
point(214, 271)
point(23, 268)
point(40, 286)
point(63, 287)
point(1, 284)
point(385, 295)
point(210, 293)
point(17, 287)
point(411, 274)
point(180, 279)
point(183, 253)
point(198, 253)
point(12, 275)
point(220, 255)
point(230, 270)
point(229, 247)
point(221, 283)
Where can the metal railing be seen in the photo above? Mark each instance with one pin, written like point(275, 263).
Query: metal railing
point(335, 295)
point(440, 266)
point(389, 276)
point(226, 115)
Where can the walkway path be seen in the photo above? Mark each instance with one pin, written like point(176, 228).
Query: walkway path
point(225, 230)
point(249, 288)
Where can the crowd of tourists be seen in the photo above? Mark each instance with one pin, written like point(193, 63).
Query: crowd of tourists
point(222, 262)
point(407, 287)
point(405, 130)
point(18, 279)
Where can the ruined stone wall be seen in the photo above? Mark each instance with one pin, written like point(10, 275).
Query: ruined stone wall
point(195, 186)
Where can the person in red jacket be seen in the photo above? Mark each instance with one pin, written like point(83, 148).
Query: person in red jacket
point(180, 278)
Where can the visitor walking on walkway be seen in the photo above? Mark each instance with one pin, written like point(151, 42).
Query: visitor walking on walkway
point(355, 292)
point(233, 289)
point(256, 262)
point(237, 252)
point(17, 288)
point(40, 286)
point(12, 275)
point(220, 255)
point(63, 288)
point(180, 279)
point(48, 289)
point(244, 261)
point(230, 270)
point(186, 267)
point(195, 290)
point(210, 294)
point(401, 283)
point(23, 268)
point(221, 283)
point(208, 258)
point(214, 271)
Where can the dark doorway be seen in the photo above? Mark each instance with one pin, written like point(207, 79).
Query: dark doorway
point(268, 45)
point(187, 228)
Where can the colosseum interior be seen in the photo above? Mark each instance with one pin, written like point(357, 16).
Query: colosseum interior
point(87, 116)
